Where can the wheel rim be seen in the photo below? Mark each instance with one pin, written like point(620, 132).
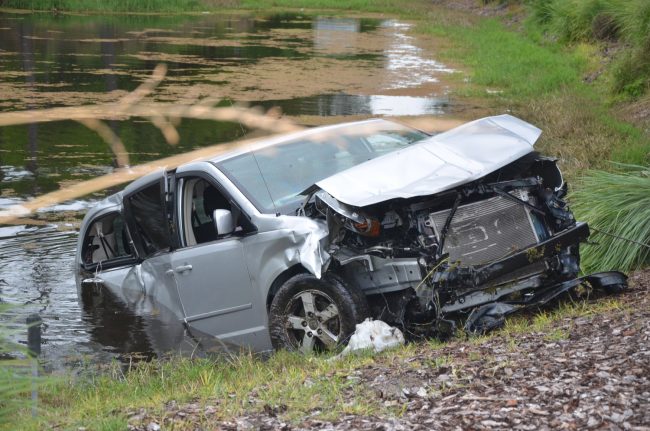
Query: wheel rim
point(313, 322)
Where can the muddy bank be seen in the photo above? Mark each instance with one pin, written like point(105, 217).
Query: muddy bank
point(586, 372)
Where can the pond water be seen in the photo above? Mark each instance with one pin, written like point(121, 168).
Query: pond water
point(307, 66)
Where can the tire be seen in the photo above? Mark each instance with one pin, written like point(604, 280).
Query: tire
point(309, 314)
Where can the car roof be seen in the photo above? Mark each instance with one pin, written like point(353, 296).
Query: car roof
point(114, 201)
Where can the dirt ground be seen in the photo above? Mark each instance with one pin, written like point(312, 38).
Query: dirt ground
point(587, 372)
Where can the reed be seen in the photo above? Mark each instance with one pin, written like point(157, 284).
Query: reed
point(16, 379)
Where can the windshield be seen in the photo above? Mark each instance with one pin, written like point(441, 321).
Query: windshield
point(273, 177)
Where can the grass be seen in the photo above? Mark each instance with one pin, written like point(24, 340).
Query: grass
point(300, 385)
point(296, 385)
point(542, 83)
point(390, 6)
point(597, 21)
point(529, 76)
point(15, 370)
point(580, 20)
point(15, 384)
point(105, 5)
point(617, 203)
point(505, 61)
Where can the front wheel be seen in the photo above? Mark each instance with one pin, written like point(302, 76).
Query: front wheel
point(313, 315)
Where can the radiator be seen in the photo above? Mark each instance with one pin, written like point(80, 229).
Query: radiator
point(486, 230)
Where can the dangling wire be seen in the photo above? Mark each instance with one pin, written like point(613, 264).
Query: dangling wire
point(430, 273)
point(620, 237)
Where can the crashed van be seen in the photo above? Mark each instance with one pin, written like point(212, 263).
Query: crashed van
point(292, 241)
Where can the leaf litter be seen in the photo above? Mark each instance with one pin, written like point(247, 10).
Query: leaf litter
point(594, 375)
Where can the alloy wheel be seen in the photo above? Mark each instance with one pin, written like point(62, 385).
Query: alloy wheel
point(313, 322)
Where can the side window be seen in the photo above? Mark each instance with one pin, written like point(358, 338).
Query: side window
point(106, 240)
point(150, 223)
point(200, 199)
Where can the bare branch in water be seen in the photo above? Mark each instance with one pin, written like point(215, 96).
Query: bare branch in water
point(115, 111)
point(146, 88)
point(167, 129)
point(164, 116)
point(113, 141)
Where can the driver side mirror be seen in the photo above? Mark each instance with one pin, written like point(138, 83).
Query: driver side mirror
point(223, 222)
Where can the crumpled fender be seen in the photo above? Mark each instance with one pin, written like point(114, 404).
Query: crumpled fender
point(296, 241)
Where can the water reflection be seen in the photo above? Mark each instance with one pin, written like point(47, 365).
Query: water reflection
point(350, 104)
point(407, 65)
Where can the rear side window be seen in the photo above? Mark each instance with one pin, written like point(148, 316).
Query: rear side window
point(150, 227)
point(106, 241)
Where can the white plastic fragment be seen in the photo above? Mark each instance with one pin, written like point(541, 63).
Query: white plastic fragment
point(373, 334)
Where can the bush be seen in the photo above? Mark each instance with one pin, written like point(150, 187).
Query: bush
point(573, 21)
point(631, 72)
point(583, 20)
point(617, 203)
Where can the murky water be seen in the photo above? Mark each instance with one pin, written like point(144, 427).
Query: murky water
point(308, 66)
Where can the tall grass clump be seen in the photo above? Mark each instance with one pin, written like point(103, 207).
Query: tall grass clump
point(579, 20)
point(584, 20)
point(627, 21)
point(15, 373)
point(631, 72)
point(617, 203)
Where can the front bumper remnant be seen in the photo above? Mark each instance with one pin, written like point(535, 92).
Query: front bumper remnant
point(491, 316)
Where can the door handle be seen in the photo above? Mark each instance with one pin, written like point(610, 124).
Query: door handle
point(183, 268)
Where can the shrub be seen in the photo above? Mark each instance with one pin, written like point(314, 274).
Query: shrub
point(631, 72)
point(573, 21)
point(617, 203)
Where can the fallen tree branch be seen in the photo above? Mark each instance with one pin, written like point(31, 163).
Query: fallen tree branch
point(113, 141)
point(117, 111)
point(164, 116)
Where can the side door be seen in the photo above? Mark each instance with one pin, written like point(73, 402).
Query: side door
point(105, 255)
point(210, 270)
point(151, 289)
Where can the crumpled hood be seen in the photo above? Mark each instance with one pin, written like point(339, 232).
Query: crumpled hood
point(439, 163)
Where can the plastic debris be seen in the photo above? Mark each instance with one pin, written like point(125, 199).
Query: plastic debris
point(373, 334)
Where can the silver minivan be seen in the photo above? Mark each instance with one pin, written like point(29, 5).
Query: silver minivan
point(294, 240)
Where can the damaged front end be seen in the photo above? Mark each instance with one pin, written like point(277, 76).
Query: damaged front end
point(472, 253)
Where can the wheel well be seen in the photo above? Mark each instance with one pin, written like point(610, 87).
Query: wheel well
point(281, 279)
